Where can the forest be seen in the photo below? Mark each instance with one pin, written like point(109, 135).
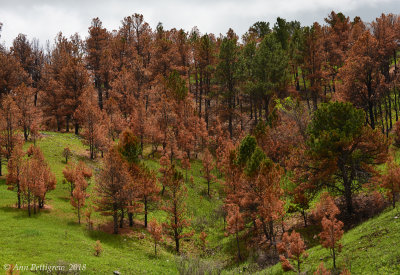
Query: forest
point(166, 151)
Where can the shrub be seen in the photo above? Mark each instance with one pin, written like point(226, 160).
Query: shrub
point(98, 249)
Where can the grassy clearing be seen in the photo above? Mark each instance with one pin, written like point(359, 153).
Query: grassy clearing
point(53, 236)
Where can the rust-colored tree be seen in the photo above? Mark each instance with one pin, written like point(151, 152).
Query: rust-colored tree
point(36, 179)
point(361, 77)
point(74, 170)
point(9, 118)
point(110, 192)
point(66, 154)
point(155, 230)
point(148, 190)
point(175, 207)
point(79, 195)
point(321, 270)
point(391, 180)
point(27, 110)
point(90, 116)
point(14, 167)
point(129, 148)
point(332, 230)
point(292, 248)
point(208, 167)
point(96, 45)
point(235, 224)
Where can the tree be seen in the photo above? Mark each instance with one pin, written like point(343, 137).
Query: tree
point(203, 240)
point(9, 118)
point(155, 230)
point(36, 179)
point(98, 249)
point(235, 225)
point(391, 180)
point(14, 167)
point(51, 97)
point(331, 227)
point(79, 195)
point(90, 116)
point(96, 45)
point(110, 186)
point(253, 184)
point(175, 207)
point(23, 52)
point(292, 247)
point(208, 166)
point(73, 82)
point(129, 148)
point(74, 171)
point(336, 44)
point(321, 270)
point(313, 63)
point(227, 72)
point(270, 71)
point(27, 110)
point(361, 76)
point(343, 151)
point(11, 74)
point(396, 135)
point(147, 190)
point(67, 154)
point(164, 166)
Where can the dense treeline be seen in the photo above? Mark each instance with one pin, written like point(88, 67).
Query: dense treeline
point(232, 81)
point(281, 115)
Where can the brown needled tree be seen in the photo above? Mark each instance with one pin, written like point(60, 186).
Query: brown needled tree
point(175, 207)
point(110, 192)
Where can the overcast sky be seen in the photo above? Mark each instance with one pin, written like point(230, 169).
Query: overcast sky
point(43, 19)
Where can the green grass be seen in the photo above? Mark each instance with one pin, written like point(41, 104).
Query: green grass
point(370, 248)
point(54, 237)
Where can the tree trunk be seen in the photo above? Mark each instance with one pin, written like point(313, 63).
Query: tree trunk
point(395, 103)
point(67, 122)
point(115, 217)
point(26, 134)
point(79, 214)
point(121, 221)
point(145, 212)
point(371, 114)
point(348, 197)
point(238, 246)
point(176, 240)
point(130, 218)
point(334, 258)
point(304, 217)
point(29, 204)
point(19, 195)
point(76, 128)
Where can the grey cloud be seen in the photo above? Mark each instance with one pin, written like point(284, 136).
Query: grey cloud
point(43, 19)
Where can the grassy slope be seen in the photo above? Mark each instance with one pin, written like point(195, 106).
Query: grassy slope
point(54, 236)
point(370, 248)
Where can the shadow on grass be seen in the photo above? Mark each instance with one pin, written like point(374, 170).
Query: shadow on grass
point(23, 212)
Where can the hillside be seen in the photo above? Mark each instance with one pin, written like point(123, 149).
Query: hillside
point(370, 248)
point(54, 237)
